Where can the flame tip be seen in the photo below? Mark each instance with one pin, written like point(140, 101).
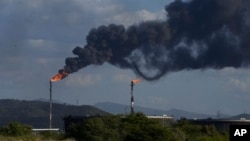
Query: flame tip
point(59, 76)
point(136, 80)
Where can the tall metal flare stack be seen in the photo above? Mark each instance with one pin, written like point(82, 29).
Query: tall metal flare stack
point(57, 77)
point(133, 82)
point(50, 104)
point(132, 97)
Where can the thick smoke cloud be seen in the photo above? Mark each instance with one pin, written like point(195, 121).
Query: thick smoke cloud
point(197, 34)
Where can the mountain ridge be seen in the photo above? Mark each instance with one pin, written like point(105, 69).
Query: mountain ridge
point(116, 108)
point(36, 113)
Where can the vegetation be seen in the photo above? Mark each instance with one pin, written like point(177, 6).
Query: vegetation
point(16, 131)
point(35, 113)
point(190, 132)
point(135, 127)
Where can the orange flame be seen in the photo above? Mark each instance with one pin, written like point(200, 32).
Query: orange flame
point(136, 81)
point(59, 76)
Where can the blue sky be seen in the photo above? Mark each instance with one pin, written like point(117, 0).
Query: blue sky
point(37, 36)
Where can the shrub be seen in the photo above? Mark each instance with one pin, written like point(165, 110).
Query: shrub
point(52, 135)
point(16, 129)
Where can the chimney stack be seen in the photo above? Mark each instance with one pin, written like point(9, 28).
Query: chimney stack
point(132, 97)
point(50, 104)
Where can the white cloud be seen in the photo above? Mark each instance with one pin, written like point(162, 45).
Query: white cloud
point(36, 42)
point(241, 85)
point(157, 101)
point(42, 61)
point(99, 7)
point(121, 78)
point(129, 18)
point(233, 71)
point(79, 80)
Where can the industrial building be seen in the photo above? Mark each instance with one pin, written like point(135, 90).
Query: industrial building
point(221, 124)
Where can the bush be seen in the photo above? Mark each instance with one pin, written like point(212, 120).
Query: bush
point(137, 127)
point(52, 135)
point(15, 129)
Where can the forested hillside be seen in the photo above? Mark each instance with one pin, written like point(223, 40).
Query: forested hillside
point(36, 113)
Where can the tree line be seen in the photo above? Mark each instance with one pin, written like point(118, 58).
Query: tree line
point(137, 127)
point(134, 127)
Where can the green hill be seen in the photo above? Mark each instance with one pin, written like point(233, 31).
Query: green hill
point(36, 113)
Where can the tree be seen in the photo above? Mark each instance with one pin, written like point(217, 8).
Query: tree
point(16, 129)
point(96, 129)
point(193, 132)
point(137, 127)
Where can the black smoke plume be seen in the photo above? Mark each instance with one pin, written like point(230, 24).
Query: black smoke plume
point(197, 34)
